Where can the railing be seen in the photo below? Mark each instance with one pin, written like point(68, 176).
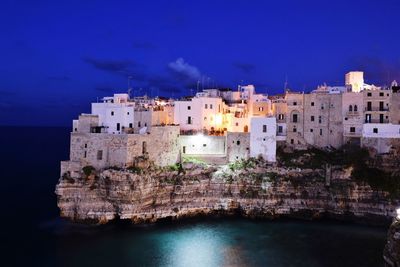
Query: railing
point(351, 134)
point(353, 113)
point(376, 109)
point(377, 121)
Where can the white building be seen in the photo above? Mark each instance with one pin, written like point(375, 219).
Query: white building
point(201, 113)
point(263, 138)
point(355, 80)
point(381, 130)
point(115, 113)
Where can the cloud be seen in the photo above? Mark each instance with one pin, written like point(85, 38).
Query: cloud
point(244, 67)
point(113, 66)
point(5, 93)
point(183, 70)
point(143, 45)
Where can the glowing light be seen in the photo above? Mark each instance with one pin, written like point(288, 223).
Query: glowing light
point(218, 120)
point(398, 214)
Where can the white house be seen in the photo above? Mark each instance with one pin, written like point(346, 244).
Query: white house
point(381, 130)
point(115, 113)
point(263, 138)
point(199, 113)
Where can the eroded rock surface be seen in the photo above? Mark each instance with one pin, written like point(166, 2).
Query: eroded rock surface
point(258, 191)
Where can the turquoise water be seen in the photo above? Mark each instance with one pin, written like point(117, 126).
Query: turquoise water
point(33, 235)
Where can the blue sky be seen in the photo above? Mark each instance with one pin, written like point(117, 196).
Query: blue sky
point(58, 56)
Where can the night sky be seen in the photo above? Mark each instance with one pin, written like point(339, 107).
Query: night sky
point(58, 56)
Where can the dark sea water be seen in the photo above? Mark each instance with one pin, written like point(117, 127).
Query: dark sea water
point(33, 235)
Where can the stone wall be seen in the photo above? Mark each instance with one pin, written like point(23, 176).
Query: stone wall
point(103, 150)
point(238, 146)
point(202, 144)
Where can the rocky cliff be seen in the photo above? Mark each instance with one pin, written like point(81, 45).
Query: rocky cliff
point(391, 253)
point(251, 189)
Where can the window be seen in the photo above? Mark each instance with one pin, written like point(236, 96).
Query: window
point(260, 109)
point(264, 128)
point(292, 141)
point(294, 129)
point(355, 108)
point(312, 118)
point(99, 154)
point(369, 105)
point(294, 118)
point(281, 117)
point(138, 124)
point(130, 125)
point(350, 108)
point(237, 124)
point(320, 131)
point(375, 130)
point(76, 129)
point(322, 106)
point(85, 154)
point(127, 113)
point(381, 106)
point(211, 106)
point(319, 119)
point(145, 124)
point(205, 118)
point(369, 94)
point(352, 129)
point(294, 103)
point(206, 106)
point(112, 113)
point(118, 126)
point(189, 120)
point(280, 129)
point(381, 94)
point(85, 145)
point(312, 104)
point(238, 142)
point(311, 130)
point(204, 145)
point(189, 107)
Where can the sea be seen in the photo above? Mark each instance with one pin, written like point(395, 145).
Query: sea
point(33, 234)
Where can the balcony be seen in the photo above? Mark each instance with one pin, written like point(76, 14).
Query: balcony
point(352, 134)
point(352, 113)
point(377, 121)
point(376, 109)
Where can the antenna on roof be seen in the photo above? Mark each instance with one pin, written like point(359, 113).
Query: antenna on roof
point(286, 83)
point(129, 86)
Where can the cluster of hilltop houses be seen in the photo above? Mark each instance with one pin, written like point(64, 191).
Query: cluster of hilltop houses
point(227, 125)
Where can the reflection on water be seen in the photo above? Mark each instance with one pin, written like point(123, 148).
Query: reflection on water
point(32, 236)
point(219, 242)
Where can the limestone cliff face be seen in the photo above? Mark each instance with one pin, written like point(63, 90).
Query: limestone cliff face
point(259, 191)
point(391, 253)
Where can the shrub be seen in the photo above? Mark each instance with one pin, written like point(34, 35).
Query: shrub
point(87, 170)
point(135, 169)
